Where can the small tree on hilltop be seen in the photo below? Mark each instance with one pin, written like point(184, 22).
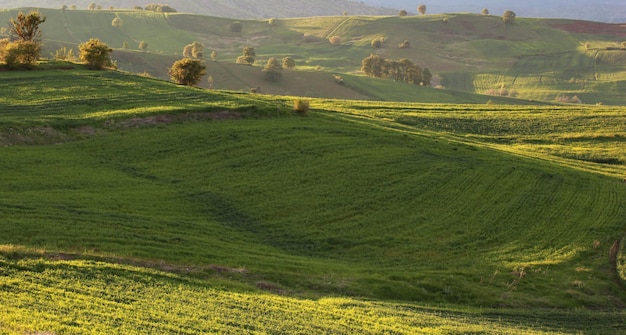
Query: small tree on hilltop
point(143, 45)
point(403, 12)
point(187, 71)
point(273, 69)
point(509, 17)
point(421, 9)
point(95, 54)
point(485, 11)
point(92, 6)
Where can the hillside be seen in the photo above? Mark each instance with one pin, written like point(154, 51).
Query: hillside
point(233, 8)
point(131, 203)
point(555, 61)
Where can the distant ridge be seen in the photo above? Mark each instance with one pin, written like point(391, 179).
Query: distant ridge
point(228, 8)
point(612, 11)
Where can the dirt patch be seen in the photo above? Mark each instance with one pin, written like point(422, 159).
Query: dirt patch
point(155, 120)
point(594, 28)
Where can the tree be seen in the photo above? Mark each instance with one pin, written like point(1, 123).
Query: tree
point(26, 27)
point(421, 9)
point(117, 22)
point(92, 6)
point(403, 12)
point(137, 7)
point(247, 57)
point(96, 54)
point(143, 45)
point(623, 45)
point(377, 42)
point(187, 71)
point(373, 66)
point(273, 21)
point(125, 45)
point(214, 56)
point(26, 47)
point(485, 11)
point(289, 63)
point(404, 44)
point(426, 77)
point(273, 69)
point(193, 50)
point(508, 17)
point(64, 7)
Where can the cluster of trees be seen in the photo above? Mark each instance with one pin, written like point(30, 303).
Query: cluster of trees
point(160, 8)
point(402, 70)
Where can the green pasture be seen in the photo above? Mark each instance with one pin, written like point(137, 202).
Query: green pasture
point(134, 204)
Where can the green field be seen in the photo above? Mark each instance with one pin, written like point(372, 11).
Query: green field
point(538, 59)
point(131, 205)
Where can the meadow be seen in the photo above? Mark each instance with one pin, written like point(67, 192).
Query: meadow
point(132, 205)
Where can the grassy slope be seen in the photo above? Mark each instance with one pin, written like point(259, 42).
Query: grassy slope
point(471, 53)
point(385, 201)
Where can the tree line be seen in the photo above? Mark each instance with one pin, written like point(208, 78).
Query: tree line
point(402, 70)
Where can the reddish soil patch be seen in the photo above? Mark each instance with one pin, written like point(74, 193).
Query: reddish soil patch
point(595, 28)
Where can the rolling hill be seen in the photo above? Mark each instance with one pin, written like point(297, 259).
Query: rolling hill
point(131, 204)
point(235, 9)
point(551, 60)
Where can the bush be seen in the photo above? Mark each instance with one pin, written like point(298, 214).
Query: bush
point(95, 54)
point(21, 54)
point(301, 106)
point(187, 71)
point(334, 40)
point(404, 44)
point(338, 79)
point(377, 42)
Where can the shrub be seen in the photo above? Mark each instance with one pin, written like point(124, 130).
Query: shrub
point(21, 54)
point(334, 40)
point(338, 79)
point(403, 12)
point(187, 71)
point(273, 69)
point(143, 45)
point(301, 106)
point(377, 42)
point(117, 22)
point(404, 44)
point(95, 54)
